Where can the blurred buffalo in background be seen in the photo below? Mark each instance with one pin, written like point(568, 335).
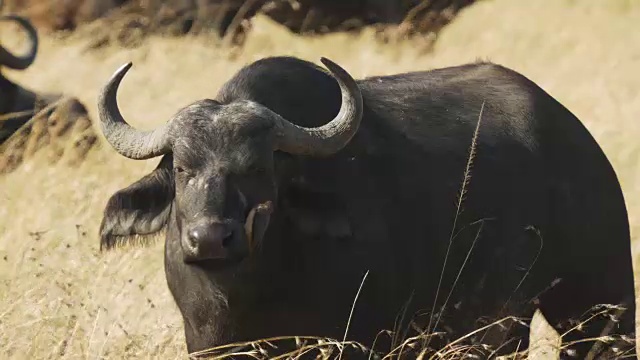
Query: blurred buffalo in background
point(30, 120)
point(18, 103)
point(232, 17)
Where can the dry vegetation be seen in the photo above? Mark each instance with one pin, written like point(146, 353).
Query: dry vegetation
point(59, 297)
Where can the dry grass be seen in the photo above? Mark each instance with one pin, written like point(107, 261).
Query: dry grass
point(60, 298)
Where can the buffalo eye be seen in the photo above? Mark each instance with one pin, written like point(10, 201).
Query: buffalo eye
point(183, 172)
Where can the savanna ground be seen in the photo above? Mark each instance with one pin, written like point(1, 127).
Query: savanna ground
point(59, 297)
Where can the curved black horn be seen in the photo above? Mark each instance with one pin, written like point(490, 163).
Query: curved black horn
point(125, 139)
point(20, 62)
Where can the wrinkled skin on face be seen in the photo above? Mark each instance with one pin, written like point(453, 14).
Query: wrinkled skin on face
point(222, 178)
point(223, 165)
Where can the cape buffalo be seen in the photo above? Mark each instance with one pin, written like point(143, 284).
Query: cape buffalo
point(323, 16)
point(16, 100)
point(273, 215)
point(13, 97)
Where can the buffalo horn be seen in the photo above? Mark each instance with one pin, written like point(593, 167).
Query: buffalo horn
point(20, 62)
point(332, 136)
point(125, 139)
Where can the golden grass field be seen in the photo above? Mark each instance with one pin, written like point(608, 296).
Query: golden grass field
point(61, 298)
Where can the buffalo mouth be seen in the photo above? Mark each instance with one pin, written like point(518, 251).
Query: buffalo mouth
point(243, 244)
point(218, 264)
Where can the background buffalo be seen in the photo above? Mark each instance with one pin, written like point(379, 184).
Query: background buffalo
point(30, 120)
point(232, 16)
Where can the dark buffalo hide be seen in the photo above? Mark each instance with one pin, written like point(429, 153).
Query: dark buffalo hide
point(537, 219)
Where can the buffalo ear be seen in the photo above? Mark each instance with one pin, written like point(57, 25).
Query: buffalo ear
point(140, 210)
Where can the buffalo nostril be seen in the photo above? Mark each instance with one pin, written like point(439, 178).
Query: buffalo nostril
point(214, 236)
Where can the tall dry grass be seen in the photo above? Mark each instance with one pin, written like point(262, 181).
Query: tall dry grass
point(60, 298)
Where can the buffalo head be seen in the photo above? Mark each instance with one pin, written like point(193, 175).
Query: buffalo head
point(216, 185)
